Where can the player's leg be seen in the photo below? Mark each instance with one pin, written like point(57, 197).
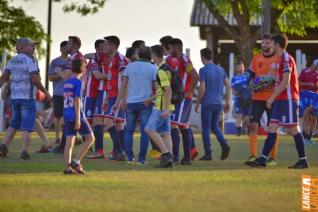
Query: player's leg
point(175, 135)
point(184, 127)
point(46, 147)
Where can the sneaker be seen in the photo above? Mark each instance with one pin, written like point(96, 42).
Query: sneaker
point(3, 151)
point(77, 167)
point(118, 156)
point(131, 162)
point(166, 161)
point(271, 162)
point(194, 153)
point(58, 150)
point(25, 156)
point(206, 157)
point(225, 151)
point(300, 164)
point(45, 149)
point(69, 171)
point(250, 159)
point(154, 154)
point(78, 141)
point(258, 163)
point(142, 163)
point(96, 155)
point(185, 162)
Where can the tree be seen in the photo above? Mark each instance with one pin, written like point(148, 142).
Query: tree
point(289, 16)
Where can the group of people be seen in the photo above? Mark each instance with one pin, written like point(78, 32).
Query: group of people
point(153, 85)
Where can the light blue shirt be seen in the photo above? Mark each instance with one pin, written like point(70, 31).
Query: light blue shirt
point(57, 84)
point(140, 76)
point(213, 76)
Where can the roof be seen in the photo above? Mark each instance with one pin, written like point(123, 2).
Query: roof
point(201, 16)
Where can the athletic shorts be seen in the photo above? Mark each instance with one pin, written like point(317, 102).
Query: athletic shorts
point(258, 108)
point(98, 104)
point(58, 104)
point(285, 112)
point(181, 115)
point(120, 116)
point(85, 128)
point(157, 123)
point(89, 107)
point(245, 111)
point(306, 99)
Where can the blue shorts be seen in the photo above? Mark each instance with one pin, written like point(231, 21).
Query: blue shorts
point(157, 123)
point(245, 111)
point(306, 99)
point(285, 112)
point(98, 104)
point(89, 107)
point(181, 115)
point(120, 116)
point(23, 114)
point(85, 128)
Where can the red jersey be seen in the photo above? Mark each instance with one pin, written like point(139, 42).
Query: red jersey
point(308, 75)
point(287, 64)
point(76, 55)
point(114, 72)
point(92, 84)
point(183, 66)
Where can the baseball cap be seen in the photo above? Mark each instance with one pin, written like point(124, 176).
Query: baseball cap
point(25, 41)
point(316, 63)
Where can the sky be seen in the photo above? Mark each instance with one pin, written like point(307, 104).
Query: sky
point(130, 20)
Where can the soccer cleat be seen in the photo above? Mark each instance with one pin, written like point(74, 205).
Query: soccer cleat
point(225, 151)
point(96, 155)
point(271, 162)
point(3, 151)
point(154, 154)
point(58, 150)
point(194, 153)
point(300, 164)
point(25, 156)
point(258, 163)
point(166, 161)
point(118, 156)
point(69, 171)
point(45, 149)
point(77, 167)
point(142, 163)
point(185, 162)
point(131, 162)
point(250, 159)
point(206, 157)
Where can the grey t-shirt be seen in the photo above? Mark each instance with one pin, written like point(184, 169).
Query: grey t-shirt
point(58, 84)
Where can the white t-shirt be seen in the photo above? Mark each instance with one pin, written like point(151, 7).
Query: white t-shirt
point(21, 67)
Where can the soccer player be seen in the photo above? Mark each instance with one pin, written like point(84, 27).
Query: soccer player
point(75, 120)
point(284, 104)
point(158, 126)
point(180, 117)
point(114, 122)
point(262, 66)
point(240, 86)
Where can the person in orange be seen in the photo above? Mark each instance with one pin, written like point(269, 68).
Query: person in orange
point(262, 70)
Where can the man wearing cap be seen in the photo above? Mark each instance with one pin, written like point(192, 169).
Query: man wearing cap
point(24, 71)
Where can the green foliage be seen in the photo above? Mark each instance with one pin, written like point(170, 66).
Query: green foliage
point(84, 7)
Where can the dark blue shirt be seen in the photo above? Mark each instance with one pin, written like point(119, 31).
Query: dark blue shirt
point(72, 89)
point(213, 76)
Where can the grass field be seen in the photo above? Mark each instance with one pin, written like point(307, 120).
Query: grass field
point(39, 185)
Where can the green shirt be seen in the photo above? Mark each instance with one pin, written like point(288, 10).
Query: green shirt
point(164, 77)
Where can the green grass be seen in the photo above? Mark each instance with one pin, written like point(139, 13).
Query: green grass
point(39, 185)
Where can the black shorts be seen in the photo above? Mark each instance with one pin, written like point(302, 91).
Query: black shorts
point(58, 102)
point(258, 108)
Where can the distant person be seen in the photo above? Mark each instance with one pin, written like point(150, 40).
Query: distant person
point(137, 44)
point(131, 54)
point(75, 120)
point(25, 78)
point(308, 78)
point(165, 43)
point(212, 80)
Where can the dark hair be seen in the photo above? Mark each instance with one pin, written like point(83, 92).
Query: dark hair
point(267, 36)
point(206, 53)
point(239, 62)
point(75, 40)
point(144, 53)
point(98, 43)
point(77, 66)
point(130, 52)
point(157, 50)
point(165, 41)
point(176, 42)
point(138, 44)
point(113, 40)
point(280, 39)
point(63, 43)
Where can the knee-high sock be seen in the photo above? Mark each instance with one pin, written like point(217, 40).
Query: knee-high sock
point(99, 138)
point(273, 153)
point(192, 139)
point(115, 138)
point(300, 146)
point(253, 145)
point(121, 135)
point(268, 145)
point(186, 140)
point(175, 136)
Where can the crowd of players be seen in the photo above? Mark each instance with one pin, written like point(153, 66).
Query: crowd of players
point(118, 90)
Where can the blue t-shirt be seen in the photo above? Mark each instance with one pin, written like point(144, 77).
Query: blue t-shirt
point(58, 84)
point(213, 76)
point(72, 89)
point(141, 75)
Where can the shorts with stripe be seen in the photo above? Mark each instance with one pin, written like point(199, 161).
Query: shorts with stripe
point(89, 107)
point(181, 115)
point(99, 102)
point(285, 112)
point(119, 116)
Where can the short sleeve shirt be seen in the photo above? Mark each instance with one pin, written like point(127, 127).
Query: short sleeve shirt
point(72, 89)
point(57, 84)
point(164, 77)
point(21, 67)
